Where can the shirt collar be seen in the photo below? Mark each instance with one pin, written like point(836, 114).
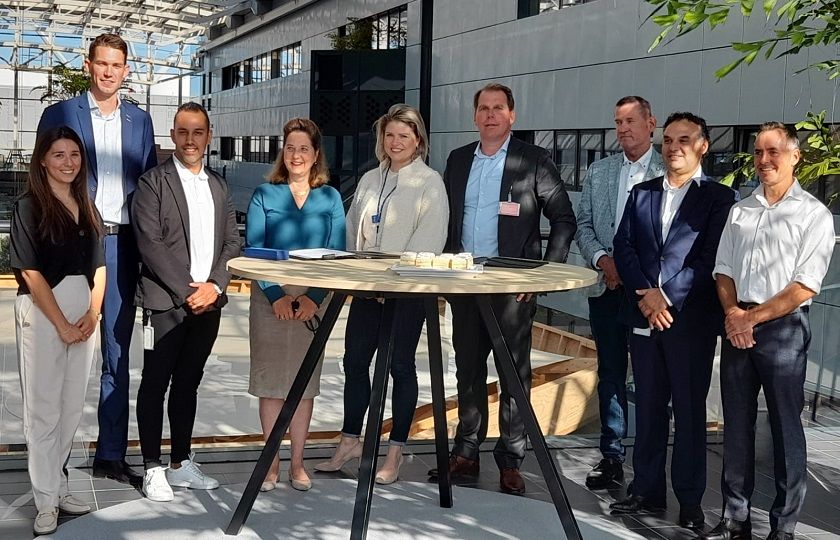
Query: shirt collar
point(696, 177)
point(643, 161)
point(187, 174)
point(94, 106)
point(504, 148)
point(794, 192)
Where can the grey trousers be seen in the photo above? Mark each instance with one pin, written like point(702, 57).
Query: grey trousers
point(777, 364)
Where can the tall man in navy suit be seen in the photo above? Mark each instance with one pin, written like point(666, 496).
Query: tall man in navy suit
point(119, 144)
point(497, 189)
point(664, 252)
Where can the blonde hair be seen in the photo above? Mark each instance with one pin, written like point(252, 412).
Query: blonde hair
point(409, 116)
point(319, 174)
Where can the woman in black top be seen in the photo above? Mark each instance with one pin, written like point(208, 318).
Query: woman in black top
point(59, 266)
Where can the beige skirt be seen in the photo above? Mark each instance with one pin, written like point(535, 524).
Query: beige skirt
point(278, 348)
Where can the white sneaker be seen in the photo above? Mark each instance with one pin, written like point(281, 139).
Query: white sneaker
point(70, 505)
point(155, 486)
point(188, 475)
point(46, 522)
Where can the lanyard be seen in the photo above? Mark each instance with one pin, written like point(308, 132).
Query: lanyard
point(380, 203)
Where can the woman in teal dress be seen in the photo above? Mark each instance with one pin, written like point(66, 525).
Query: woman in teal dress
point(296, 209)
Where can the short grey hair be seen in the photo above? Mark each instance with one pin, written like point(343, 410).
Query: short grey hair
point(786, 130)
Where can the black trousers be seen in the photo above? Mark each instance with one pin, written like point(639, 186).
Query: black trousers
point(674, 365)
point(472, 346)
point(182, 343)
point(776, 363)
point(360, 342)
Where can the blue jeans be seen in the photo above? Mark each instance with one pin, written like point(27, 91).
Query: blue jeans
point(360, 343)
point(611, 340)
point(118, 312)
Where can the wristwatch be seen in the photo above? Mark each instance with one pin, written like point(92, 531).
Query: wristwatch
point(216, 287)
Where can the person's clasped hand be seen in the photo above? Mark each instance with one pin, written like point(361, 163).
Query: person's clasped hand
point(306, 308)
point(87, 324)
point(203, 298)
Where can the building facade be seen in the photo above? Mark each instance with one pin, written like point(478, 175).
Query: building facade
point(567, 61)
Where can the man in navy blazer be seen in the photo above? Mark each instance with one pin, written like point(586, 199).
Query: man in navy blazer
point(119, 145)
point(665, 250)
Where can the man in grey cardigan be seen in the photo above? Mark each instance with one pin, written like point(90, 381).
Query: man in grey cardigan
point(497, 190)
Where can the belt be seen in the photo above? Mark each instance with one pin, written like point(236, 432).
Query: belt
point(749, 305)
point(116, 229)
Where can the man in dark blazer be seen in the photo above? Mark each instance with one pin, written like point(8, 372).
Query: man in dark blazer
point(119, 144)
point(664, 251)
point(186, 232)
point(497, 189)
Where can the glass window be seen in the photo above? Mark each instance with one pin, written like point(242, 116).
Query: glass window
point(591, 150)
point(718, 160)
point(565, 156)
point(546, 140)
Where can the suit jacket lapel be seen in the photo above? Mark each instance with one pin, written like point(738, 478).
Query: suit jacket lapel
point(127, 129)
point(513, 162)
point(458, 179)
point(613, 180)
point(656, 213)
point(220, 210)
point(177, 189)
point(86, 125)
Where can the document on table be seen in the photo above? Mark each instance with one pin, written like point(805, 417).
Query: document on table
point(320, 253)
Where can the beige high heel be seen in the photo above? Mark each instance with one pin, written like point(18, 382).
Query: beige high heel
point(341, 457)
point(389, 476)
point(300, 485)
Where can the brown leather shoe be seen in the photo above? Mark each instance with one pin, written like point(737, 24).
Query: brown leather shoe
point(459, 466)
point(511, 481)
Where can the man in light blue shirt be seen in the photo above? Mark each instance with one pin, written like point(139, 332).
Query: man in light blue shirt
point(481, 202)
point(497, 190)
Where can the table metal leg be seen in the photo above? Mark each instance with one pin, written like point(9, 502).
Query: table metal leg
point(532, 427)
point(272, 445)
point(438, 401)
point(367, 468)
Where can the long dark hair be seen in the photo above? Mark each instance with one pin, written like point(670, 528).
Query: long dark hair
point(55, 220)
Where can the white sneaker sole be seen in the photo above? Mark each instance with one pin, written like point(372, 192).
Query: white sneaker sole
point(158, 498)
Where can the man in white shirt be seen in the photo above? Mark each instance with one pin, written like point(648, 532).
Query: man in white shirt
point(664, 252)
point(605, 190)
point(119, 146)
point(773, 255)
point(186, 233)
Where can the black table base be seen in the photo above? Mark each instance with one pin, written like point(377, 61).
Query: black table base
point(370, 451)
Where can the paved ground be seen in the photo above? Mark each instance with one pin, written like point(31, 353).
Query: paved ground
point(226, 408)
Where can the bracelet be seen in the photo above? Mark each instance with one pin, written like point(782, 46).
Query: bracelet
point(96, 314)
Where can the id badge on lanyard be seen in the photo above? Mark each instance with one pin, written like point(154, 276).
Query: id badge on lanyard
point(509, 208)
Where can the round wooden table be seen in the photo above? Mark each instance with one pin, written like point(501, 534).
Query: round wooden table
point(374, 277)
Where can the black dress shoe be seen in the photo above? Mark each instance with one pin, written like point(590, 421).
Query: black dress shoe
point(116, 470)
point(607, 473)
point(692, 517)
point(780, 535)
point(728, 529)
point(636, 504)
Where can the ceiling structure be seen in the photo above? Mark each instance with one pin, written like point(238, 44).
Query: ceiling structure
point(162, 35)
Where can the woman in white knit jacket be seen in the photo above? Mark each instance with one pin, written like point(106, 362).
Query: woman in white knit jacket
point(399, 206)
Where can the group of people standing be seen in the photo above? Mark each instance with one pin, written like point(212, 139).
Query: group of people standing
point(683, 262)
point(103, 229)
